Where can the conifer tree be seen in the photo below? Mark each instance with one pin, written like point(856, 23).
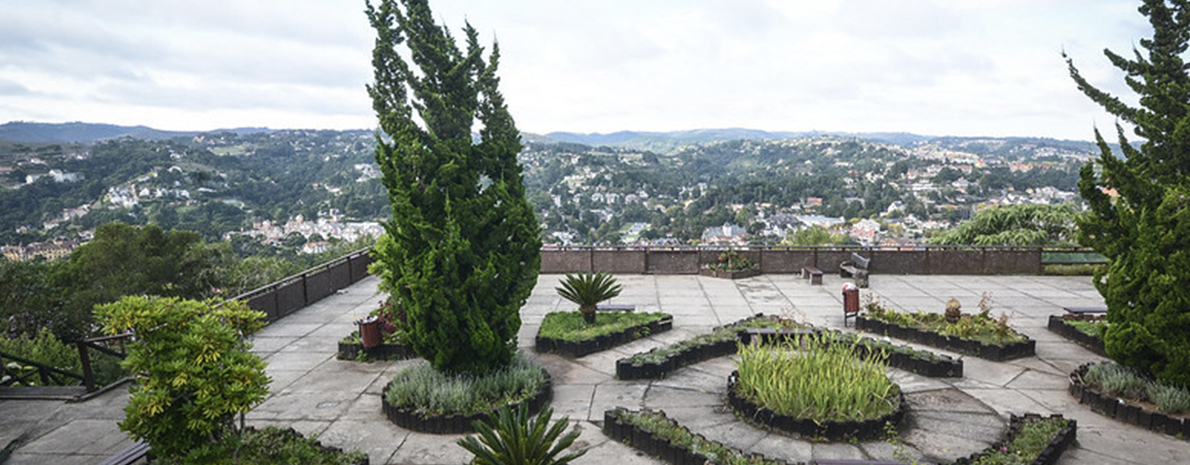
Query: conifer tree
point(1145, 232)
point(465, 248)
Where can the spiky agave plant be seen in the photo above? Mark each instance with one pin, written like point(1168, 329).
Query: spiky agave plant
point(587, 290)
point(513, 438)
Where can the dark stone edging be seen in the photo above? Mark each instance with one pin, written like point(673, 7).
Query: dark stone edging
point(943, 367)
point(575, 349)
point(807, 427)
point(1123, 410)
point(729, 274)
point(349, 351)
point(1057, 325)
point(454, 424)
point(660, 447)
point(997, 353)
point(1048, 455)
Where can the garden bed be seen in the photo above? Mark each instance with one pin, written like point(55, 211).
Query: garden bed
point(1126, 410)
point(580, 345)
point(874, 428)
point(1047, 447)
point(657, 363)
point(356, 351)
point(1060, 324)
point(454, 424)
point(903, 357)
point(660, 436)
point(729, 274)
point(995, 352)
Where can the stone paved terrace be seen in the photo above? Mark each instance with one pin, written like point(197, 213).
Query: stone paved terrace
point(340, 400)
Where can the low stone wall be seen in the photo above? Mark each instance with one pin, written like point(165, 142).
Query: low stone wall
point(688, 260)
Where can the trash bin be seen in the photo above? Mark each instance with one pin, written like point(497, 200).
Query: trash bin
point(850, 302)
point(369, 331)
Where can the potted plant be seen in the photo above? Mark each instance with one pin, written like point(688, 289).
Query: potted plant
point(731, 265)
point(587, 290)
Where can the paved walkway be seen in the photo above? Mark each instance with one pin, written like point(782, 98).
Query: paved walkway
point(340, 400)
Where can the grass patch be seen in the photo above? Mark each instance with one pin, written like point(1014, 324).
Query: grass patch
point(1118, 381)
point(662, 426)
point(816, 380)
point(569, 326)
point(978, 327)
point(1089, 327)
point(1027, 445)
point(429, 392)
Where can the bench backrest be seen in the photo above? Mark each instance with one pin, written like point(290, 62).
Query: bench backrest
point(859, 260)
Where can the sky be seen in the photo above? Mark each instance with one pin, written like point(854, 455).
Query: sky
point(944, 67)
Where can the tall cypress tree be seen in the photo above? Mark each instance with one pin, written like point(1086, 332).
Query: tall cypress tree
point(466, 249)
point(1145, 232)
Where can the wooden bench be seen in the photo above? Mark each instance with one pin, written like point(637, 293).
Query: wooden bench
point(130, 455)
point(1085, 310)
point(616, 308)
point(856, 268)
point(813, 274)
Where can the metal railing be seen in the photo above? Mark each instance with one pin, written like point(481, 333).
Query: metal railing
point(45, 374)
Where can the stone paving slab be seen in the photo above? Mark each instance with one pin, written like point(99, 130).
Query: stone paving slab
point(950, 418)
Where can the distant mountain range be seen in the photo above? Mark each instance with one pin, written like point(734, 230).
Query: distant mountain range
point(26, 132)
point(661, 142)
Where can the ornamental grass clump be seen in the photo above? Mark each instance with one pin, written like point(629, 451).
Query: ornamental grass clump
point(431, 392)
point(817, 380)
point(1120, 381)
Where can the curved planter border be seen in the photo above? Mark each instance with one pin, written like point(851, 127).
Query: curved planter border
point(663, 448)
point(726, 274)
point(626, 370)
point(806, 427)
point(348, 351)
point(454, 424)
point(943, 367)
point(575, 349)
point(1123, 410)
point(1057, 324)
point(1048, 456)
point(997, 353)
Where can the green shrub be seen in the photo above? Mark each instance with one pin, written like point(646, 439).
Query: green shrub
point(820, 381)
point(194, 369)
point(44, 348)
point(428, 391)
point(516, 439)
point(979, 327)
point(572, 326)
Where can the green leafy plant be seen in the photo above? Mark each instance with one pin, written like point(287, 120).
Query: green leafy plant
point(514, 438)
point(816, 380)
point(977, 327)
point(44, 348)
point(428, 391)
point(587, 290)
point(192, 365)
point(573, 326)
point(718, 335)
point(464, 250)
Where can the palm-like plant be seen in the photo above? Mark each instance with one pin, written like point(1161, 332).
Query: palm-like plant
point(515, 439)
point(587, 290)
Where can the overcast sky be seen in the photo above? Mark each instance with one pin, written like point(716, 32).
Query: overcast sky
point(944, 67)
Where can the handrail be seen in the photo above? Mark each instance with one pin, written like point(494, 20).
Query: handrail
point(84, 347)
point(45, 372)
point(301, 275)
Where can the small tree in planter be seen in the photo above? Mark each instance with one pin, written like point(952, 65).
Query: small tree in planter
point(587, 290)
